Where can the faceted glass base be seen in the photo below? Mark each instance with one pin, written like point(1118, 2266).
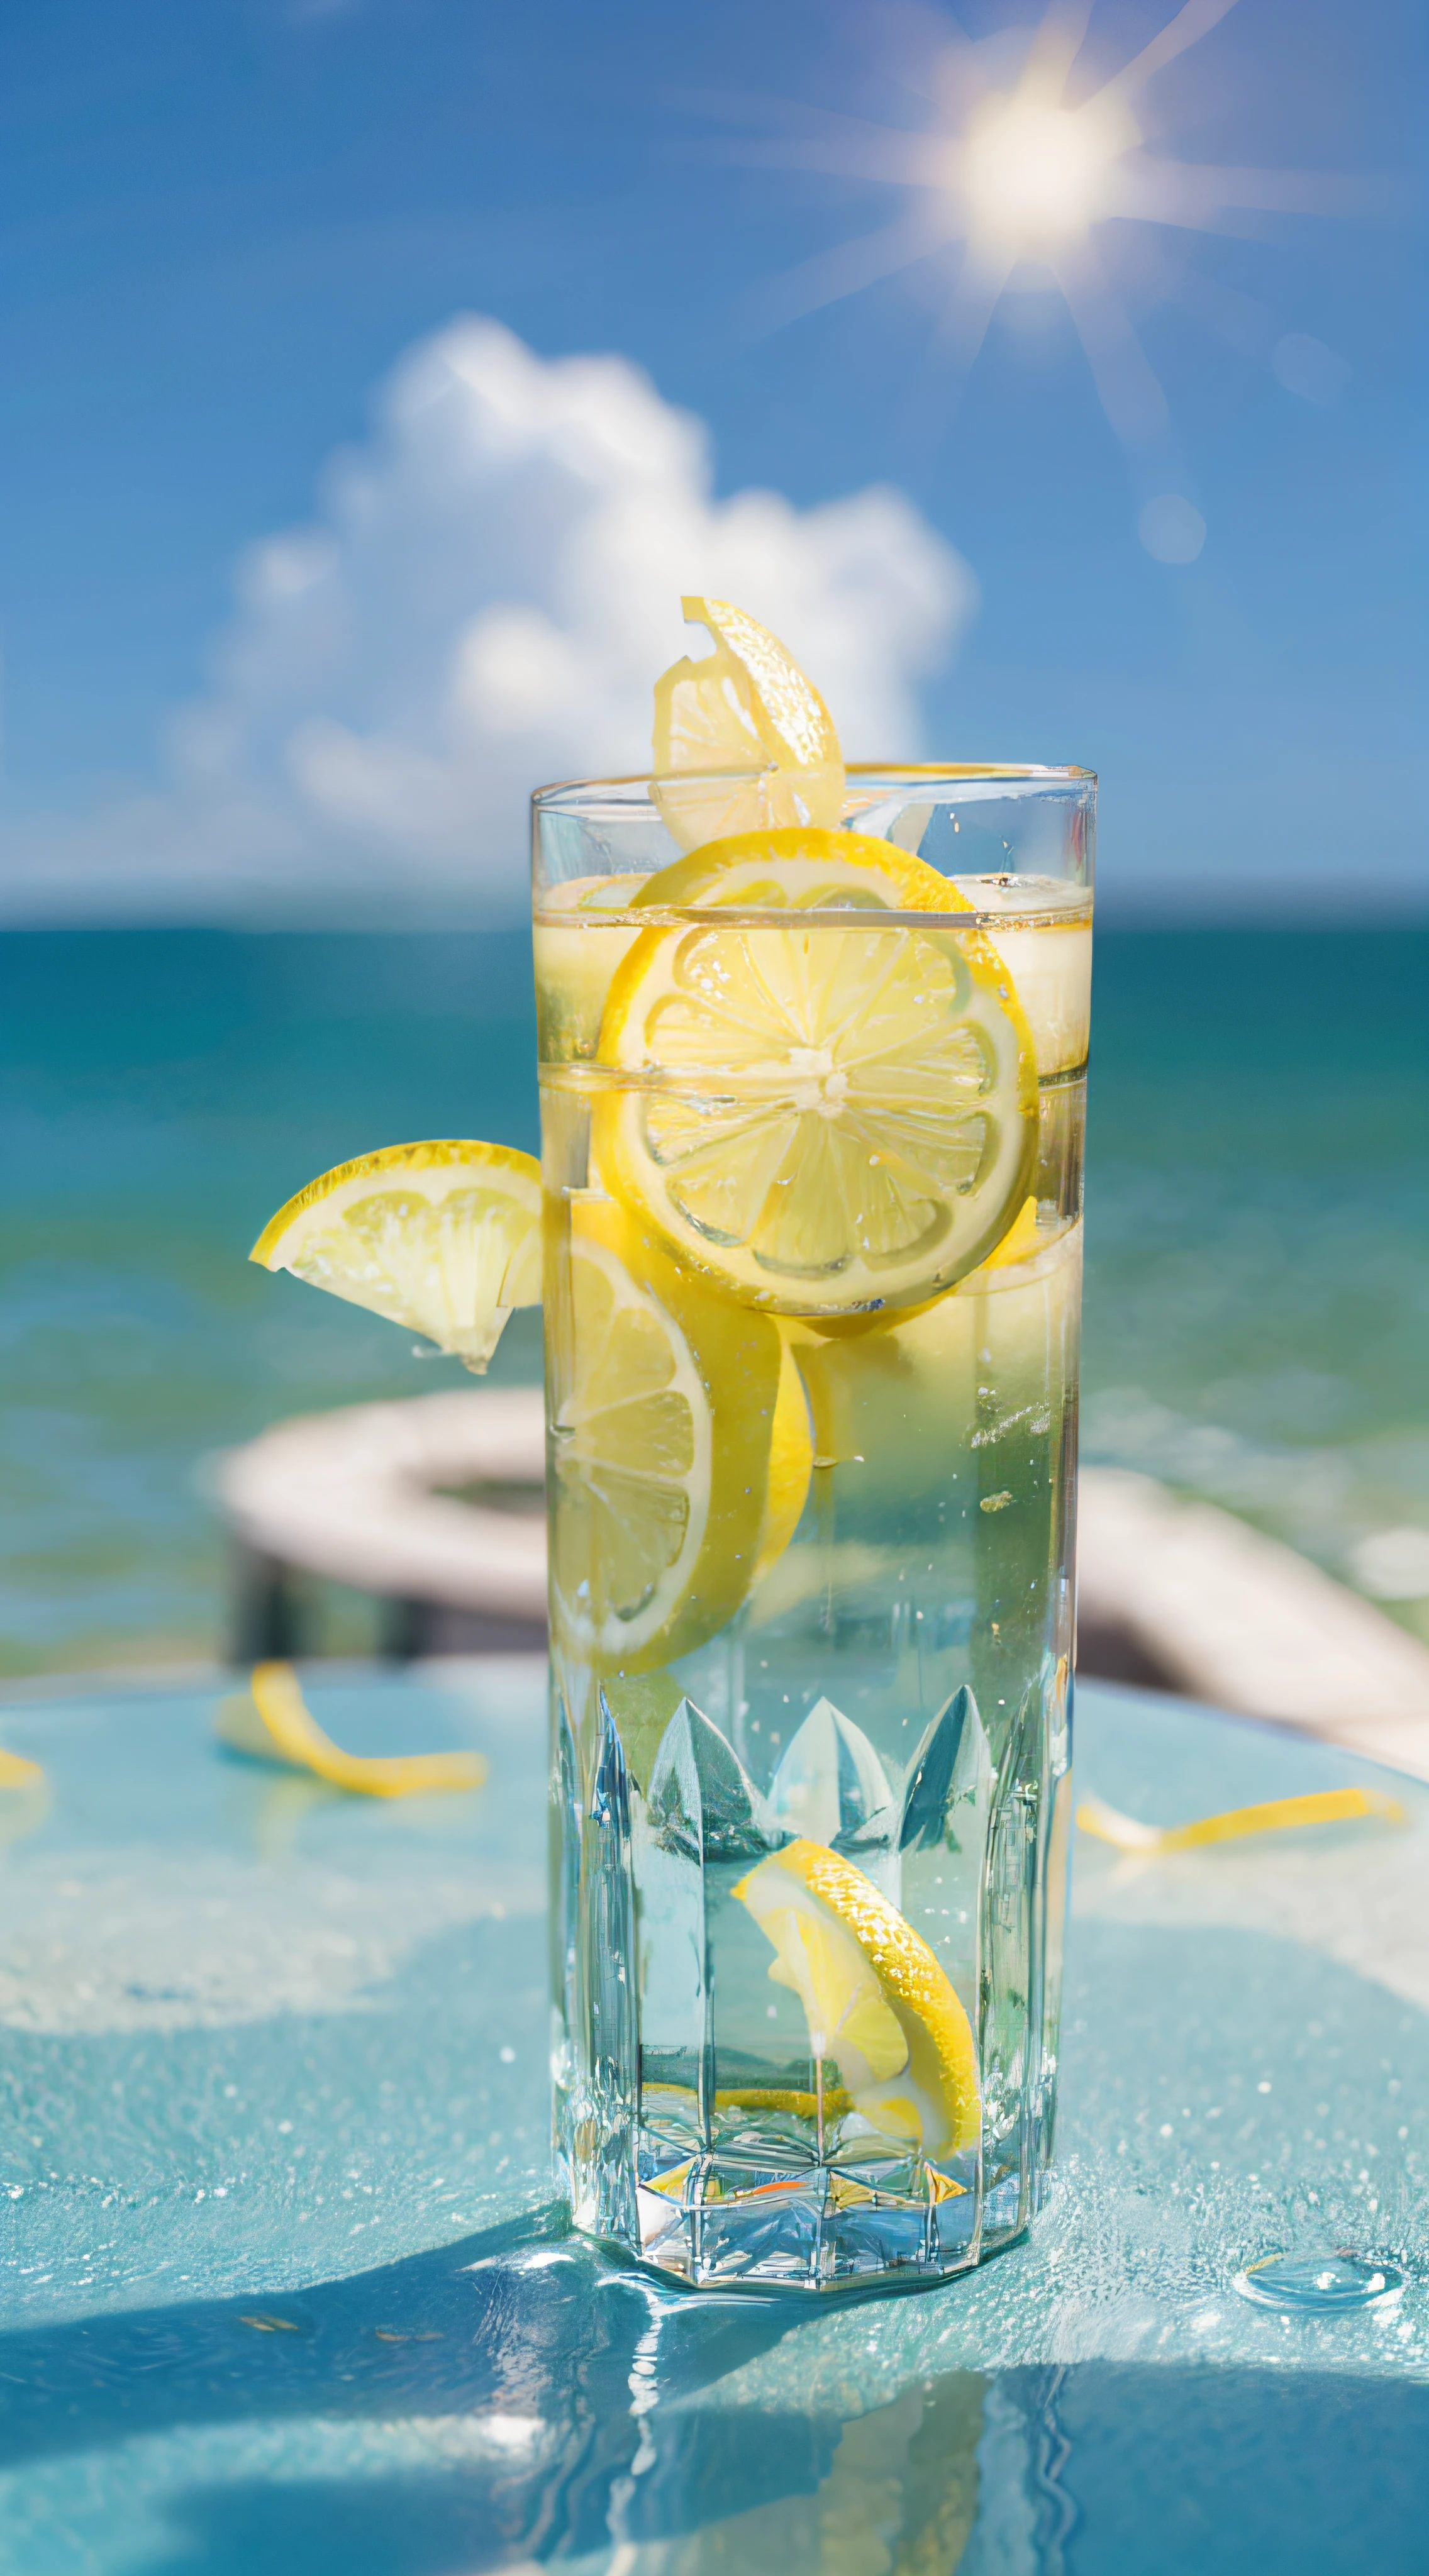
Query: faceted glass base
point(696, 2127)
point(756, 2214)
point(729, 2222)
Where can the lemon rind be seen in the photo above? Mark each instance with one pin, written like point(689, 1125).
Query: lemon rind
point(702, 878)
point(914, 1980)
point(431, 1155)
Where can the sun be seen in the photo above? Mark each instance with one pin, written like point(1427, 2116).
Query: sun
point(1034, 175)
point(1023, 177)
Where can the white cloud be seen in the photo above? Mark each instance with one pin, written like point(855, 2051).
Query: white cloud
point(484, 601)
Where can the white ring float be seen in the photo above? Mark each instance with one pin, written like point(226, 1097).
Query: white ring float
point(355, 1496)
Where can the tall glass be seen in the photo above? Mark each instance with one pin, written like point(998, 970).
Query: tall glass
point(811, 1522)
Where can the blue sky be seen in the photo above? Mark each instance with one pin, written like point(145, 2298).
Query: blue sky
point(224, 226)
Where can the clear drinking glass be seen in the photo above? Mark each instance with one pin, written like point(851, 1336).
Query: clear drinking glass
point(811, 1594)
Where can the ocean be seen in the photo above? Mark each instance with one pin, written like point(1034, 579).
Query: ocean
point(1257, 1303)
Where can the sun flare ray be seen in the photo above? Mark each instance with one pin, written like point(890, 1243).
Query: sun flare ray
point(1024, 176)
point(852, 265)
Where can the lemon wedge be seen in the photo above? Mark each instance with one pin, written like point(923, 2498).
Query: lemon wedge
point(746, 707)
point(442, 1237)
point(662, 1408)
point(834, 1119)
point(876, 2000)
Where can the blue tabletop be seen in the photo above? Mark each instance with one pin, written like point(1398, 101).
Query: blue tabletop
point(286, 2288)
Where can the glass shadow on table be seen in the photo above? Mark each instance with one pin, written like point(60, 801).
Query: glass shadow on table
point(558, 2408)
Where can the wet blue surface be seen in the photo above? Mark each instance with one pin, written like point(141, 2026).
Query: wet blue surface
point(285, 2288)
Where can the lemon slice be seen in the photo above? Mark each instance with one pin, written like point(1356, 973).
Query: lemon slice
point(663, 1401)
point(746, 707)
point(831, 1119)
point(1022, 1242)
point(442, 1237)
point(876, 2000)
point(799, 868)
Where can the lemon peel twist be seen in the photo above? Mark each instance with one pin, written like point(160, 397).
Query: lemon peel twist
point(274, 1724)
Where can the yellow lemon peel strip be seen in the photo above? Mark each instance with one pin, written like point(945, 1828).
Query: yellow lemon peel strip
point(18, 1772)
point(275, 1724)
point(1272, 1816)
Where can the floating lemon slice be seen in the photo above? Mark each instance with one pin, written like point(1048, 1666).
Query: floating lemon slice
point(875, 1998)
point(832, 1119)
point(746, 707)
point(443, 1237)
point(663, 1403)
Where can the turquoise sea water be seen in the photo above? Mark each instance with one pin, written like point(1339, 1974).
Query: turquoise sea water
point(1258, 1231)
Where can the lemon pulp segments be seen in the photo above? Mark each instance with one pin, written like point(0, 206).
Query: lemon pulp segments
point(832, 1118)
point(661, 1424)
point(443, 1237)
point(799, 868)
point(746, 708)
point(875, 1998)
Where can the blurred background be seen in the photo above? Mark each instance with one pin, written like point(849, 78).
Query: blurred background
point(381, 371)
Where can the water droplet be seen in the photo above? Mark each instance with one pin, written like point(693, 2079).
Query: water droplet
point(1327, 2284)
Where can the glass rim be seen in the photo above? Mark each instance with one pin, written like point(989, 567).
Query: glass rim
point(954, 771)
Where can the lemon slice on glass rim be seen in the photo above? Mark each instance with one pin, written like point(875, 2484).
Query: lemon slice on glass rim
point(824, 1115)
point(876, 2000)
point(663, 1403)
point(746, 708)
point(443, 1237)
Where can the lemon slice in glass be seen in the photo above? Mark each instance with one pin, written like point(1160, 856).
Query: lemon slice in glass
point(799, 868)
point(791, 1465)
point(662, 1407)
point(876, 2000)
point(442, 1237)
point(826, 1116)
point(746, 707)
